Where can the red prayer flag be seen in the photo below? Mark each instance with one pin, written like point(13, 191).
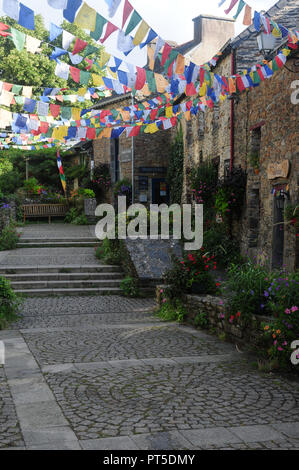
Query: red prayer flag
point(126, 12)
point(75, 73)
point(166, 51)
point(91, 133)
point(190, 89)
point(54, 110)
point(109, 30)
point(79, 46)
point(135, 131)
point(232, 4)
point(140, 79)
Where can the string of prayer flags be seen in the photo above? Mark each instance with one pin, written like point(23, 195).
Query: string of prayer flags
point(18, 38)
point(4, 30)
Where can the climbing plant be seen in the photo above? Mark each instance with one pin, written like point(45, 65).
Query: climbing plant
point(176, 167)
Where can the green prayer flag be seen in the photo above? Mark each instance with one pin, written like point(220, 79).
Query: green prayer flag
point(141, 106)
point(16, 89)
point(256, 77)
point(66, 112)
point(84, 77)
point(90, 50)
point(18, 38)
point(100, 23)
point(20, 99)
point(98, 131)
point(240, 8)
point(134, 21)
point(150, 79)
point(172, 56)
point(161, 112)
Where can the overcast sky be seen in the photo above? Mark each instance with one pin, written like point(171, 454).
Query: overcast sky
point(171, 19)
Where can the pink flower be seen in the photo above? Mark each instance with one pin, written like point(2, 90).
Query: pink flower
point(280, 348)
point(294, 309)
point(285, 343)
point(164, 300)
point(161, 291)
point(275, 343)
point(287, 311)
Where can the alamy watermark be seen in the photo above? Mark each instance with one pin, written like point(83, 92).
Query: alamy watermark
point(185, 222)
point(295, 94)
point(295, 354)
point(2, 353)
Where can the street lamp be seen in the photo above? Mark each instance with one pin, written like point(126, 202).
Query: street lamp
point(266, 44)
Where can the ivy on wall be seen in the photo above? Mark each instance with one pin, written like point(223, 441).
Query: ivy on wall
point(176, 168)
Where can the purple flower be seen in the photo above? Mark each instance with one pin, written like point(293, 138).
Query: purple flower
point(266, 294)
point(262, 306)
point(251, 292)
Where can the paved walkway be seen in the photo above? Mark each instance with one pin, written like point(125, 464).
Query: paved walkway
point(103, 373)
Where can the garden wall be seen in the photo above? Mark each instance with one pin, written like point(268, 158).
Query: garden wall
point(6, 214)
point(215, 309)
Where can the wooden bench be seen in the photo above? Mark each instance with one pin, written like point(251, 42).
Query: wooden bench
point(44, 210)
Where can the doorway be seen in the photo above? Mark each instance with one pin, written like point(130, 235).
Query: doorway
point(160, 191)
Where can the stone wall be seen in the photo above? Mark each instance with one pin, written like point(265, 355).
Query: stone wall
point(269, 108)
point(215, 308)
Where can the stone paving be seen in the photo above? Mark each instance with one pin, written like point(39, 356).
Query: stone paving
point(102, 372)
point(121, 379)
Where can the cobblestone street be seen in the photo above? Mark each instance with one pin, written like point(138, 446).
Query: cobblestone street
point(104, 373)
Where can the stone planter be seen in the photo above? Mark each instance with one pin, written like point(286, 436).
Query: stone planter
point(89, 209)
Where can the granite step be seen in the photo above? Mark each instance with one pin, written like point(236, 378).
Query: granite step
point(69, 291)
point(66, 284)
point(63, 276)
point(92, 268)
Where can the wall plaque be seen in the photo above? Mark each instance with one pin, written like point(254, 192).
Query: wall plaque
point(278, 170)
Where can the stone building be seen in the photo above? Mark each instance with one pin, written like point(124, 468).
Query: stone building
point(262, 121)
point(150, 154)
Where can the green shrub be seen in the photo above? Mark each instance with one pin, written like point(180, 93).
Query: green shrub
point(202, 320)
point(129, 287)
point(172, 311)
point(108, 252)
point(71, 215)
point(248, 286)
point(80, 220)
point(217, 242)
point(9, 303)
point(9, 238)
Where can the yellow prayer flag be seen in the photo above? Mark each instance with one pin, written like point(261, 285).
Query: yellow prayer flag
point(187, 115)
point(145, 90)
point(86, 18)
point(151, 128)
point(97, 80)
point(231, 85)
point(203, 89)
point(113, 74)
point(82, 91)
point(103, 59)
point(76, 113)
point(141, 32)
point(168, 111)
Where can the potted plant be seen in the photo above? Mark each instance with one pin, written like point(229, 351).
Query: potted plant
point(254, 159)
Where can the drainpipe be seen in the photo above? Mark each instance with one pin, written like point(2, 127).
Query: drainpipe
point(133, 162)
point(232, 116)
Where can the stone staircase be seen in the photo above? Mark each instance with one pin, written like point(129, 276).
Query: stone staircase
point(59, 260)
point(64, 280)
point(56, 243)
